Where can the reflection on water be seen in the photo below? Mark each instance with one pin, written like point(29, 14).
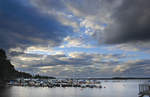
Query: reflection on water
point(112, 89)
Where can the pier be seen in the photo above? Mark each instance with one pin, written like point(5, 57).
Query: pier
point(144, 90)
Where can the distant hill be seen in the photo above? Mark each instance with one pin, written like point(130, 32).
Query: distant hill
point(43, 77)
point(116, 78)
point(7, 70)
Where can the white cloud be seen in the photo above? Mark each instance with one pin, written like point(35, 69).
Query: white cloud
point(120, 68)
point(76, 42)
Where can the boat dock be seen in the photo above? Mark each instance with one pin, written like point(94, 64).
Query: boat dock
point(144, 90)
point(55, 83)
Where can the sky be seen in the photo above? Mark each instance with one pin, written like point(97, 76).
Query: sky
point(77, 38)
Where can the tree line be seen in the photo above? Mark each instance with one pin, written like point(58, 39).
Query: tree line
point(8, 72)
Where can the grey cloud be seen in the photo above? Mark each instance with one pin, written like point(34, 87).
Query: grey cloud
point(97, 7)
point(134, 68)
point(88, 65)
point(127, 21)
point(15, 53)
point(22, 24)
point(36, 61)
point(130, 22)
point(49, 4)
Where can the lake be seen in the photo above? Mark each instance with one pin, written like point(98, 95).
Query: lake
point(110, 89)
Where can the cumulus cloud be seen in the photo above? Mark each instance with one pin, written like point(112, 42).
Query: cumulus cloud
point(81, 64)
point(120, 68)
point(137, 67)
point(78, 42)
point(48, 21)
point(126, 21)
point(74, 60)
point(59, 10)
point(30, 29)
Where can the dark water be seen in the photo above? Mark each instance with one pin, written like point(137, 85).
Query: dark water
point(112, 89)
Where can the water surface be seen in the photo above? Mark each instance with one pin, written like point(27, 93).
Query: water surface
point(110, 89)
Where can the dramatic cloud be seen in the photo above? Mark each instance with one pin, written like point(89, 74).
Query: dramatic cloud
point(81, 37)
point(81, 64)
point(125, 20)
point(74, 60)
point(22, 24)
point(49, 21)
point(133, 68)
point(130, 22)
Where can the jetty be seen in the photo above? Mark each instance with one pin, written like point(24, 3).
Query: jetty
point(144, 90)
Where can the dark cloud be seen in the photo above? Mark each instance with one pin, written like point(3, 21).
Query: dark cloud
point(126, 20)
point(22, 24)
point(82, 64)
point(83, 59)
point(49, 4)
point(131, 22)
point(39, 23)
point(139, 68)
point(53, 60)
point(15, 53)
